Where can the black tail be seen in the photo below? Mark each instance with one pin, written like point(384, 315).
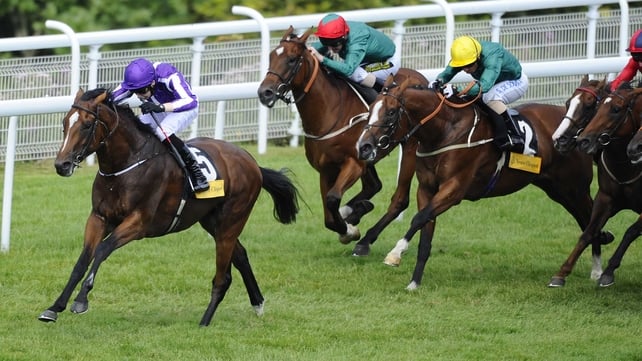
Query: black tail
point(284, 194)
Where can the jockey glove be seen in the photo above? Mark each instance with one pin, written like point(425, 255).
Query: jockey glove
point(148, 107)
point(435, 84)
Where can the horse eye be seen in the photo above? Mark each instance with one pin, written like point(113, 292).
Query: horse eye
point(292, 60)
point(615, 109)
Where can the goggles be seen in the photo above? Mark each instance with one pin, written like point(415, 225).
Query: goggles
point(142, 90)
point(331, 43)
point(637, 56)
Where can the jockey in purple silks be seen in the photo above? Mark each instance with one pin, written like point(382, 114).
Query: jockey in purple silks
point(165, 92)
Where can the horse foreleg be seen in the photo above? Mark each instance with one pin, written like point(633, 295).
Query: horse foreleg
point(608, 276)
point(241, 261)
point(398, 202)
point(94, 232)
point(104, 249)
point(360, 204)
point(332, 191)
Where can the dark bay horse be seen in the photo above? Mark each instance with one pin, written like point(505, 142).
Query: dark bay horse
point(580, 108)
point(613, 136)
point(333, 116)
point(140, 192)
point(456, 159)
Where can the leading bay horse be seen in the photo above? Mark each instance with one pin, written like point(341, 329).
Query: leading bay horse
point(457, 160)
point(333, 116)
point(613, 136)
point(140, 192)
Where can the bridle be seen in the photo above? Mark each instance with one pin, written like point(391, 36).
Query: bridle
point(607, 136)
point(286, 82)
point(588, 111)
point(78, 158)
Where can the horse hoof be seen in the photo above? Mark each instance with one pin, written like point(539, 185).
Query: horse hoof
point(352, 234)
point(392, 260)
point(606, 280)
point(557, 282)
point(79, 307)
point(412, 286)
point(48, 316)
point(361, 250)
point(258, 309)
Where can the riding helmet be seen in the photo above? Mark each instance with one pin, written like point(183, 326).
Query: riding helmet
point(139, 74)
point(464, 51)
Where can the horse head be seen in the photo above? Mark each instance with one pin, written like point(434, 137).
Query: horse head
point(385, 129)
point(617, 117)
point(580, 108)
point(284, 75)
point(85, 128)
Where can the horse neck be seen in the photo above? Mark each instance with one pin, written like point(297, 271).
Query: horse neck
point(328, 104)
point(448, 125)
point(126, 144)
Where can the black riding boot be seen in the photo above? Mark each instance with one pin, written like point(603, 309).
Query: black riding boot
point(199, 181)
point(503, 139)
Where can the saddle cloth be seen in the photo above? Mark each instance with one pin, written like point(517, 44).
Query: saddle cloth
point(206, 163)
point(525, 131)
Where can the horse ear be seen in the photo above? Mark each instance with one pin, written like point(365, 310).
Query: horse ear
point(404, 85)
point(305, 35)
point(288, 33)
point(79, 93)
point(602, 84)
point(101, 98)
point(585, 80)
point(390, 80)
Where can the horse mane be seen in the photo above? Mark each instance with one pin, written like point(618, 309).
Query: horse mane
point(123, 110)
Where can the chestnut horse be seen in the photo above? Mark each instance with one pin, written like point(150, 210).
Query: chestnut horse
point(457, 159)
point(333, 115)
point(140, 191)
point(613, 136)
point(580, 108)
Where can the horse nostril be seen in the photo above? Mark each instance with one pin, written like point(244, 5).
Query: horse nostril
point(365, 150)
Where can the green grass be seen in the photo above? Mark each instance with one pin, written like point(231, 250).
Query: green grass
point(484, 294)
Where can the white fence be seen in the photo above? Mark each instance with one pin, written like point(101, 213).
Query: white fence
point(34, 92)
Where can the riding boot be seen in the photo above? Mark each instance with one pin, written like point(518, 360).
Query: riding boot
point(503, 139)
point(513, 132)
point(199, 181)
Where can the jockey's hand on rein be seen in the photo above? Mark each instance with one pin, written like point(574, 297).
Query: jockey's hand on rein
point(449, 90)
point(435, 84)
point(148, 107)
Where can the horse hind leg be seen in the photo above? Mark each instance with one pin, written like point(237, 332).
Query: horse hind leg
point(241, 261)
point(225, 232)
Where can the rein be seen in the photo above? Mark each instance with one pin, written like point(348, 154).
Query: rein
point(443, 100)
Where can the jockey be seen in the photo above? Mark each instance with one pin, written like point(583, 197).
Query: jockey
point(634, 64)
point(356, 51)
point(163, 90)
point(501, 81)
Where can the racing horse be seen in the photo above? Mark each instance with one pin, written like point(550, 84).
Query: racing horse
point(613, 136)
point(333, 115)
point(580, 108)
point(456, 159)
point(139, 191)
